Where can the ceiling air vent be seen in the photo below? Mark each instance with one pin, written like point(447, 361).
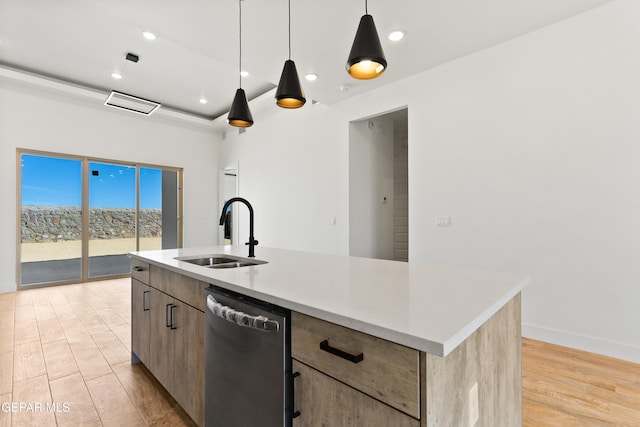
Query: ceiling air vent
point(131, 103)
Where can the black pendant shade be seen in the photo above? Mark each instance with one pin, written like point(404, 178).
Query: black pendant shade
point(239, 114)
point(289, 93)
point(366, 60)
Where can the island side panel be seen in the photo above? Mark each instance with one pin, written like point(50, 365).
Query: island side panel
point(492, 357)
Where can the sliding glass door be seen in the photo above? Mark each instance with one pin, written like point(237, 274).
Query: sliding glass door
point(50, 219)
point(80, 217)
point(112, 218)
point(159, 209)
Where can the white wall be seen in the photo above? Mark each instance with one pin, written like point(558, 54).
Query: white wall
point(295, 174)
point(531, 147)
point(371, 179)
point(40, 119)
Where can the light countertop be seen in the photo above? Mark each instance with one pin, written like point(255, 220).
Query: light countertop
point(426, 307)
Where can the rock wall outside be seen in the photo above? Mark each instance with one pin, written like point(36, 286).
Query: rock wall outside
point(63, 223)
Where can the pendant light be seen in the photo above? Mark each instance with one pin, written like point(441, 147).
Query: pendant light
point(289, 93)
point(239, 113)
point(366, 60)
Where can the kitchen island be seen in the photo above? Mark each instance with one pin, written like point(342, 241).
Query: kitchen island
point(441, 344)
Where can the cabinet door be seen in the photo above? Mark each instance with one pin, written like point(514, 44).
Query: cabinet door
point(188, 349)
point(160, 336)
point(323, 401)
point(140, 309)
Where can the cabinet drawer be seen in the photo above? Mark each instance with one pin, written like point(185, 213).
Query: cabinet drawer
point(184, 288)
point(388, 372)
point(140, 270)
point(323, 401)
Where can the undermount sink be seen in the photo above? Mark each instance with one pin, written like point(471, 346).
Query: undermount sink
point(220, 261)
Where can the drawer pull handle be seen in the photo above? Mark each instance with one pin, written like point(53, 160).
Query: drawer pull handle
point(355, 358)
point(138, 268)
point(172, 326)
point(295, 413)
point(166, 315)
point(145, 304)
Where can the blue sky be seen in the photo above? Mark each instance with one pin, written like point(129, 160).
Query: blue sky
point(51, 181)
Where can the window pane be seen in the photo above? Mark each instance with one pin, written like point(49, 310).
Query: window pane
point(158, 209)
point(112, 218)
point(51, 219)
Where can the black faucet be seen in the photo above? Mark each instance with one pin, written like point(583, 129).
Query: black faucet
point(252, 242)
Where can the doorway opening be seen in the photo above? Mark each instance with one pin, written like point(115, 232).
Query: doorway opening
point(229, 189)
point(379, 187)
point(78, 217)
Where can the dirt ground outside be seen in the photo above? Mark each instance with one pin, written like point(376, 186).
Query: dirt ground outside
point(49, 251)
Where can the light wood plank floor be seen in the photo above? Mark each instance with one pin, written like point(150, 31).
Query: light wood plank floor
point(69, 347)
point(567, 387)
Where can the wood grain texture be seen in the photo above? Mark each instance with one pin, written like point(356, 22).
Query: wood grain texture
point(184, 288)
point(6, 372)
point(112, 402)
point(59, 360)
point(50, 331)
point(160, 339)
point(73, 391)
point(188, 368)
point(111, 348)
point(28, 361)
point(142, 275)
point(6, 319)
point(176, 356)
point(323, 401)
point(572, 387)
point(5, 416)
point(491, 356)
point(6, 339)
point(149, 397)
point(140, 311)
point(95, 349)
point(89, 359)
point(33, 390)
point(389, 372)
point(559, 372)
point(26, 332)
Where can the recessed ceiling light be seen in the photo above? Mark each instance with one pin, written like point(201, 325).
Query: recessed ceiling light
point(395, 36)
point(203, 101)
point(116, 76)
point(244, 73)
point(148, 35)
point(311, 77)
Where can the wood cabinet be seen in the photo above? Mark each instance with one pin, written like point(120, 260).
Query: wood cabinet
point(160, 339)
point(140, 310)
point(346, 377)
point(324, 401)
point(350, 378)
point(168, 334)
point(188, 359)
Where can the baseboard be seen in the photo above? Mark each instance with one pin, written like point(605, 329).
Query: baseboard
point(7, 287)
point(594, 345)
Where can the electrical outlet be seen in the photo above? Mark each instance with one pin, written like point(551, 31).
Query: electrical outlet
point(443, 221)
point(474, 408)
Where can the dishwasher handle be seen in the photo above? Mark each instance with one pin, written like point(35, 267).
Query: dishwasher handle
point(240, 318)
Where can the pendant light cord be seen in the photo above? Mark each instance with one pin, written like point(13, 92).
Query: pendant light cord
point(240, 55)
point(289, 29)
point(366, 7)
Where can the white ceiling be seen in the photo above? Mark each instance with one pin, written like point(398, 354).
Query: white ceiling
point(196, 51)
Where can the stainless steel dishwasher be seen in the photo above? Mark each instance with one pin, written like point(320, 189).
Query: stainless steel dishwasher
point(248, 362)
